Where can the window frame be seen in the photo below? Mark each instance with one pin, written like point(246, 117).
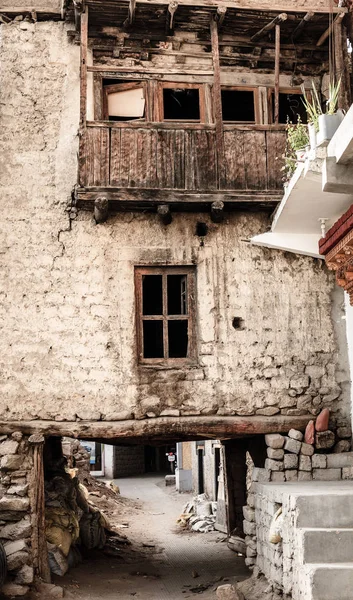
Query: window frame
point(190, 272)
point(244, 88)
point(162, 85)
point(123, 87)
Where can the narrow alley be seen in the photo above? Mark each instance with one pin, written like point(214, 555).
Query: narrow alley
point(162, 561)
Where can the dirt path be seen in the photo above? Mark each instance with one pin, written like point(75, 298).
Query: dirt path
point(161, 563)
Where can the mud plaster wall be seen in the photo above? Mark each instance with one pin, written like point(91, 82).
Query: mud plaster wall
point(67, 294)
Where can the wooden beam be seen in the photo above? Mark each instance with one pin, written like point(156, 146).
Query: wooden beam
point(277, 60)
point(220, 15)
point(342, 66)
point(329, 30)
point(131, 14)
point(83, 67)
point(217, 211)
point(297, 31)
point(171, 10)
point(217, 97)
point(163, 211)
point(163, 428)
point(101, 209)
point(279, 19)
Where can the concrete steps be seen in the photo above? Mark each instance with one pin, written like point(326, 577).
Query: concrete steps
point(331, 581)
point(327, 546)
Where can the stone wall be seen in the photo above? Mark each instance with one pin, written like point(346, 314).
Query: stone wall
point(68, 342)
point(15, 519)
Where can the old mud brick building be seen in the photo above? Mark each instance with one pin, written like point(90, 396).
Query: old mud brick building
point(141, 148)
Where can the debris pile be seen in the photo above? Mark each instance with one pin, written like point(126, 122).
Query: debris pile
point(199, 514)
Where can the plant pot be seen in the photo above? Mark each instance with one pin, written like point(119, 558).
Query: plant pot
point(328, 125)
point(312, 136)
point(301, 155)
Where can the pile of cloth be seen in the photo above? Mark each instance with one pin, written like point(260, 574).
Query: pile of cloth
point(199, 514)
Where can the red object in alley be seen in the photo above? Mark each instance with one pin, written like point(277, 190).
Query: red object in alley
point(322, 420)
point(309, 435)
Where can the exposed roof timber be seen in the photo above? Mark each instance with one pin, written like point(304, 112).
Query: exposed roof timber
point(328, 31)
point(297, 31)
point(131, 14)
point(246, 5)
point(172, 8)
point(220, 15)
point(276, 21)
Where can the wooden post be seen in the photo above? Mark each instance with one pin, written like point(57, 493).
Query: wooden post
point(221, 13)
point(342, 64)
point(297, 31)
point(171, 10)
point(328, 31)
point(277, 57)
point(36, 493)
point(131, 15)
point(217, 99)
point(83, 67)
point(279, 19)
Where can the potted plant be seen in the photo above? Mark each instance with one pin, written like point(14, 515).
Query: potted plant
point(322, 125)
point(297, 140)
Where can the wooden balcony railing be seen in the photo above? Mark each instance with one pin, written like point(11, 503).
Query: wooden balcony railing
point(181, 157)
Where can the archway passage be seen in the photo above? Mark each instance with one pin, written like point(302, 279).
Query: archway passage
point(160, 558)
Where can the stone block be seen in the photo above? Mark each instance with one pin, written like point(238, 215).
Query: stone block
point(344, 432)
point(321, 423)
point(11, 590)
point(251, 500)
point(307, 449)
point(342, 446)
point(296, 435)
point(275, 453)
point(327, 474)
point(88, 415)
point(274, 440)
point(25, 575)
point(291, 475)
point(250, 561)
point(8, 447)
point(249, 528)
point(273, 465)
point(319, 461)
point(277, 477)
point(19, 490)
point(15, 531)
point(251, 552)
point(304, 463)
point(304, 476)
point(170, 412)
point(237, 544)
point(291, 445)
point(299, 381)
point(261, 475)
point(338, 461)
point(249, 513)
point(324, 440)
point(315, 371)
point(16, 560)
point(11, 462)
point(14, 504)
point(16, 546)
point(347, 473)
point(268, 411)
point(291, 461)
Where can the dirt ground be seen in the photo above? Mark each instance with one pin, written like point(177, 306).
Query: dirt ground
point(162, 562)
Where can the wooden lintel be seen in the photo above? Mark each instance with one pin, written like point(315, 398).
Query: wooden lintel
point(131, 14)
point(101, 209)
point(161, 428)
point(169, 24)
point(297, 31)
point(279, 19)
point(217, 96)
point(217, 211)
point(83, 67)
point(277, 61)
point(329, 30)
point(164, 213)
point(220, 15)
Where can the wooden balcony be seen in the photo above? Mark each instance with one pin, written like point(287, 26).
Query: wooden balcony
point(137, 166)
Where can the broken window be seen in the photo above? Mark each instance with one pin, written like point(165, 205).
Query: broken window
point(182, 102)
point(165, 313)
point(290, 106)
point(124, 101)
point(238, 105)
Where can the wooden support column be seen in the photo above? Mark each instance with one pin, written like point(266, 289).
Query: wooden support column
point(277, 59)
point(236, 469)
point(276, 21)
point(329, 30)
point(171, 10)
point(217, 98)
point(297, 31)
point(164, 214)
point(83, 67)
point(342, 64)
point(36, 494)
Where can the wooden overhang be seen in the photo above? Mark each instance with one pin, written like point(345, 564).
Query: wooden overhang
point(144, 164)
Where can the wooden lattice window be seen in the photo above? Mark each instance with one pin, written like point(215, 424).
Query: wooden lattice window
point(165, 304)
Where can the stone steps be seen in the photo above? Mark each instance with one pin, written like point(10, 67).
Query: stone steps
point(327, 545)
point(328, 511)
point(331, 581)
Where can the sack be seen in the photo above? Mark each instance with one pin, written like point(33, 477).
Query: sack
point(275, 534)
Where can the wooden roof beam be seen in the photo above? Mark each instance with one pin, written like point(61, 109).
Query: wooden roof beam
point(276, 21)
point(220, 15)
point(329, 30)
point(297, 31)
point(171, 10)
